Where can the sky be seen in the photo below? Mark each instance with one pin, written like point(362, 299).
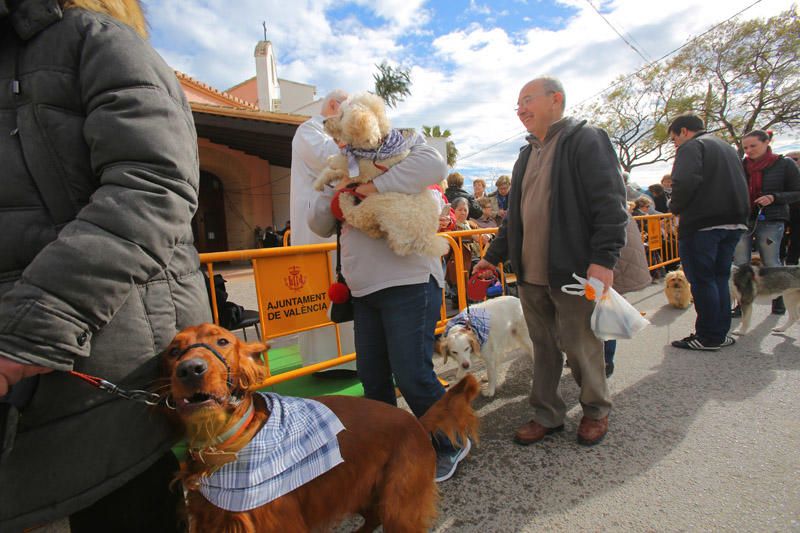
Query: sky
point(468, 59)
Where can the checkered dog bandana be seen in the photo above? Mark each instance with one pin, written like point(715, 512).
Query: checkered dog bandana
point(297, 444)
point(477, 319)
point(394, 144)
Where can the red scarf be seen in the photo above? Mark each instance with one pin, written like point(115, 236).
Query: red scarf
point(755, 171)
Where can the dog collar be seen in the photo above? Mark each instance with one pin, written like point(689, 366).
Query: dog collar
point(235, 429)
point(220, 441)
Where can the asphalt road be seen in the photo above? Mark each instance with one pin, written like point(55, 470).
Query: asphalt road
point(698, 441)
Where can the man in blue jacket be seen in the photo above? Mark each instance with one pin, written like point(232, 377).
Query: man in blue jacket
point(709, 193)
point(566, 215)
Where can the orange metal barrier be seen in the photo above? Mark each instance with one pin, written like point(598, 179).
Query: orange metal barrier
point(292, 282)
point(292, 290)
point(660, 237)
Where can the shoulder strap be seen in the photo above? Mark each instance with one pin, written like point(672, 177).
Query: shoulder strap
point(339, 276)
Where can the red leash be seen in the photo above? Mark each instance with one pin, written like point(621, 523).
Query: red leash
point(146, 397)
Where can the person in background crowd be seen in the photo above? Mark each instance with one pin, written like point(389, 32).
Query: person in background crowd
point(709, 192)
point(478, 189)
point(568, 172)
point(632, 191)
point(486, 220)
point(500, 198)
point(773, 183)
point(666, 182)
point(630, 274)
point(311, 147)
point(461, 209)
point(455, 184)
point(396, 299)
point(272, 239)
point(793, 246)
point(642, 206)
point(659, 196)
point(98, 270)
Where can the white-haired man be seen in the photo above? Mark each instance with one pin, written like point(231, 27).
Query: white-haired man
point(566, 214)
point(311, 147)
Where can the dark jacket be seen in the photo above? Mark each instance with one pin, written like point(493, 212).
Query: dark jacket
point(708, 185)
point(97, 270)
point(475, 210)
point(781, 180)
point(587, 207)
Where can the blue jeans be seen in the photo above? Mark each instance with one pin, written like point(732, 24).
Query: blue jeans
point(706, 257)
point(394, 338)
point(767, 237)
point(609, 349)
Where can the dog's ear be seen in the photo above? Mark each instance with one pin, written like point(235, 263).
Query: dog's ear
point(378, 107)
point(440, 347)
point(252, 365)
point(439, 344)
point(473, 343)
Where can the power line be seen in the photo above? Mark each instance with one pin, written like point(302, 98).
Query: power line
point(626, 78)
point(630, 44)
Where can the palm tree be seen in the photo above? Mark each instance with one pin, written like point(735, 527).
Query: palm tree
point(392, 84)
point(452, 151)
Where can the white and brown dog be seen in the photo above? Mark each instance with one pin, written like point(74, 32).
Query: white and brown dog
point(488, 330)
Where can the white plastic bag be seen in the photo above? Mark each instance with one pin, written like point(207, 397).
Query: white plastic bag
point(613, 317)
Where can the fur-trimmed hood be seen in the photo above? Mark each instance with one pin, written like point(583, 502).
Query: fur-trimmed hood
point(29, 17)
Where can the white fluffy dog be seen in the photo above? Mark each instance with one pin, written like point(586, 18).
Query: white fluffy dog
point(408, 222)
point(499, 323)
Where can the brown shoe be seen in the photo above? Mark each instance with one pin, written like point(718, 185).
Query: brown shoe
point(591, 431)
point(534, 432)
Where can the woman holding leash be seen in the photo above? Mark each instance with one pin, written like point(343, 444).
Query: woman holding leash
point(396, 299)
point(774, 183)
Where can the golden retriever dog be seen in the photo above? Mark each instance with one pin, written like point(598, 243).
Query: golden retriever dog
point(387, 464)
point(678, 290)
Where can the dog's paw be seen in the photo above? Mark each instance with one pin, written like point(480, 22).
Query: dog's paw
point(779, 329)
point(488, 392)
point(738, 331)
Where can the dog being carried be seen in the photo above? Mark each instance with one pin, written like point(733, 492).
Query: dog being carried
point(408, 222)
point(285, 464)
point(488, 330)
point(750, 283)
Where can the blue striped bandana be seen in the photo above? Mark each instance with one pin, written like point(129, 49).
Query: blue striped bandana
point(395, 143)
point(475, 318)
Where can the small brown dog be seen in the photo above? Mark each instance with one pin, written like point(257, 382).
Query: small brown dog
point(387, 473)
point(678, 290)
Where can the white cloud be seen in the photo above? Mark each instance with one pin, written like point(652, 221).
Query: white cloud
point(469, 78)
point(479, 9)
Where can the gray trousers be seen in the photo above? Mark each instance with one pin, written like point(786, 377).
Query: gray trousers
point(558, 323)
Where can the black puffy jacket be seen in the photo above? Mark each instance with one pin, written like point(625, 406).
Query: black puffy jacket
point(781, 180)
point(97, 272)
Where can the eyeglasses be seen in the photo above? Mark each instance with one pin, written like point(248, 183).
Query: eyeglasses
point(530, 98)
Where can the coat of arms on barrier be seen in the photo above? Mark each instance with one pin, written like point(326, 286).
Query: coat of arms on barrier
point(295, 280)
